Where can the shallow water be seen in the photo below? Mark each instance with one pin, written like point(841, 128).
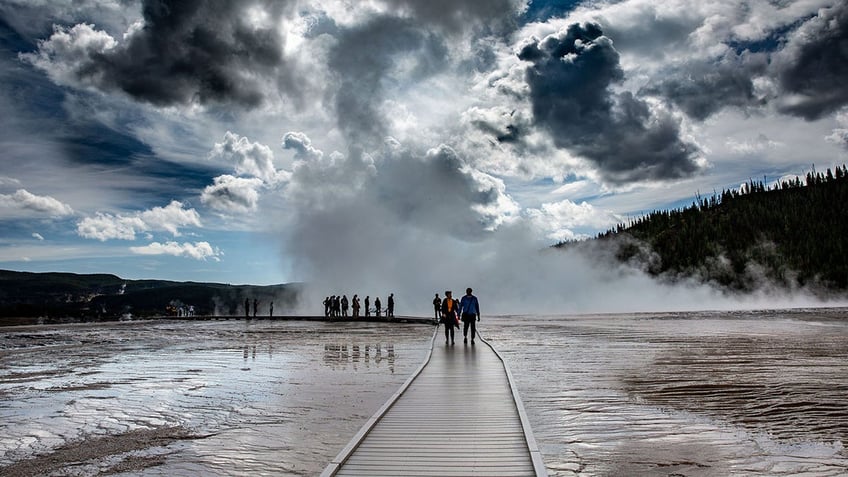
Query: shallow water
point(277, 398)
point(696, 394)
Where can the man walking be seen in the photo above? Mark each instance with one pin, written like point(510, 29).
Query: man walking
point(469, 308)
point(437, 306)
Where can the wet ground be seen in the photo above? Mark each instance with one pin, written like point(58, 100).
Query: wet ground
point(695, 394)
point(182, 398)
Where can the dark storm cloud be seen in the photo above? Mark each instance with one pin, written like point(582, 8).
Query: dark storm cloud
point(814, 65)
point(193, 51)
point(701, 89)
point(570, 91)
point(371, 57)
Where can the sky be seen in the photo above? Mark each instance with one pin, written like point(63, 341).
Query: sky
point(400, 146)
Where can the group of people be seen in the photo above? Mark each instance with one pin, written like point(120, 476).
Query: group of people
point(450, 312)
point(336, 306)
point(256, 308)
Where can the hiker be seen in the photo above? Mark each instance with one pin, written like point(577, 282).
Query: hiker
point(448, 311)
point(390, 310)
point(367, 303)
point(377, 306)
point(355, 306)
point(437, 306)
point(469, 309)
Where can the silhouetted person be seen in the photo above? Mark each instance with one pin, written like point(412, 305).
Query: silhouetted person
point(469, 309)
point(337, 306)
point(448, 311)
point(255, 307)
point(344, 305)
point(271, 311)
point(247, 307)
point(327, 307)
point(437, 306)
point(367, 303)
point(390, 307)
point(377, 306)
point(355, 306)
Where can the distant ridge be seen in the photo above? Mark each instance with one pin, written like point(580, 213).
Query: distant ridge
point(791, 235)
point(61, 296)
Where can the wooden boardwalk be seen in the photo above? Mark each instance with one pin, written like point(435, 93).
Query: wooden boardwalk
point(458, 415)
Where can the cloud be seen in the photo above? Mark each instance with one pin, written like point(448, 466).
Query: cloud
point(702, 88)
point(197, 250)
point(249, 159)
point(26, 204)
point(182, 52)
point(232, 194)
point(105, 226)
point(840, 135)
point(37, 236)
point(302, 145)
point(812, 68)
point(368, 57)
point(458, 16)
point(571, 75)
point(560, 219)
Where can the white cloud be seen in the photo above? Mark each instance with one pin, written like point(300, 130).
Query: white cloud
point(197, 250)
point(249, 158)
point(24, 203)
point(170, 218)
point(560, 219)
point(232, 194)
point(68, 51)
point(37, 236)
point(839, 136)
point(105, 226)
point(752, 146)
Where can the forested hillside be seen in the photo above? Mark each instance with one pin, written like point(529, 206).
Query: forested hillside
point(61, 296)
point(792, 234)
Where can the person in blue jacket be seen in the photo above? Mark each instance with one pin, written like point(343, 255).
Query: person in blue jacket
point(469, 309)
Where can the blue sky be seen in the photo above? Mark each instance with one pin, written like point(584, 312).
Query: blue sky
point(269, 142)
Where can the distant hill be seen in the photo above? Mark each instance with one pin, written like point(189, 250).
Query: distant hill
point(793, 234)
point(69, 296)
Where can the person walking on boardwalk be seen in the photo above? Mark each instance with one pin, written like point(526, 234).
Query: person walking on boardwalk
point(437, 306)
point(377, 306)
point(327, 307)
point(355, 306)
point(390, 308)
point(448, 312)
point(345, 305)
point(469, 309)
point(247, 307)
point(271, 311)
point(367, 304)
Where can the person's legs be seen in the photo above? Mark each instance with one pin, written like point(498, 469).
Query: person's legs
point(465, 324)
point(473, 322)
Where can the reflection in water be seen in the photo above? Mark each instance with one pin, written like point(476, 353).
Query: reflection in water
point(343, 355)
point(168, 398)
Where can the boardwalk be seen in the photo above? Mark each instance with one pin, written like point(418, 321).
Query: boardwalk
point(459, 415)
